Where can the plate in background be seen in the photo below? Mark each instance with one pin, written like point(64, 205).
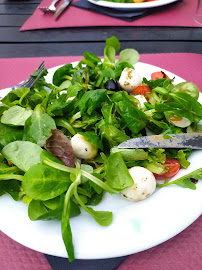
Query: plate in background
point(131, 6)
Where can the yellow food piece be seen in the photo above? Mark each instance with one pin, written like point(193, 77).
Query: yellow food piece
point(138, 1)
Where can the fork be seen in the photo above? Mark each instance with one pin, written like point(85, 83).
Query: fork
point(31, 81)
point(50, 9)
point(198, 13)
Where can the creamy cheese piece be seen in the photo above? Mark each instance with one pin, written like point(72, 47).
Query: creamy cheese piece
point(142, 100)
point(129, 79)
point(144, 184)
point(82, 148)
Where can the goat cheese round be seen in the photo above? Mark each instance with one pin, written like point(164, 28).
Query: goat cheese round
point(144, 184)
point(129, 79)
point(82, 148)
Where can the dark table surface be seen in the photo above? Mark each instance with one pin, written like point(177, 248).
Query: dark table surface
point(74, 41)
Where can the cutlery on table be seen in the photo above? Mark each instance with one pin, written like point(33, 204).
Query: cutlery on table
point(181, 140)
point(198, 13)
point(51, 9)
point(61, 8)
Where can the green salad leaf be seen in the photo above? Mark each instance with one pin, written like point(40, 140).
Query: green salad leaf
point(16, 116)
point(38, 126)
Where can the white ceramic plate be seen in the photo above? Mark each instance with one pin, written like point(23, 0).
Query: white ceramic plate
point(135, 227)
point(130, 6)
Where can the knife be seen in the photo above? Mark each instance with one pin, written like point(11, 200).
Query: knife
point(61, 8)
point(181, 140)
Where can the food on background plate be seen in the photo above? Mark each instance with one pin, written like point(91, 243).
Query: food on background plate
point(128, 1)
point(59, 141)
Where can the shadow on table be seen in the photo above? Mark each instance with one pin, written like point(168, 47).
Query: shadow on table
point(58, 263)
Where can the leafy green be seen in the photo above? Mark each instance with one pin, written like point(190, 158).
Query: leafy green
point(54, 203)
point(131, 154)
point(16, 116)
point(38, 210)
point(64, 102)
point(16, 97)
point(101, 217)
point(61, 73)
point(38, 126)
point(5, 169)
point(156, 159)
point(113, 135)
point(130, 56)
point(42, 182)
point(187, 102)
point(95, 199)
point(154, 167)
point(152, 84)
point(117, 174)
point(22, 154)
point(91, 57)
point(92, 138)
point(9, 134)
point(184, 181)
point(182, 159)
point(112, 46)
point(11, 187)
point(91, 100)
point(187, 87)
point(167, 137)
point(135, 119)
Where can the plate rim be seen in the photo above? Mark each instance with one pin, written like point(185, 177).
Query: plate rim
point(130, 6)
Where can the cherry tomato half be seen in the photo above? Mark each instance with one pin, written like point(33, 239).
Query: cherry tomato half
point(172, 165)
point(141, 90)
point(158, 75)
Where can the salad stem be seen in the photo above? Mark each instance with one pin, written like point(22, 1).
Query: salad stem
point(70, 190)
point(165, 184)
point(11, 176)
point(65, 124)
point(98, 182)
point(80, 201)
point(59, 166)
point(75, 117)
point(65, 224)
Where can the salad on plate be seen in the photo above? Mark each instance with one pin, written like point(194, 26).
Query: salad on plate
point(59, 141)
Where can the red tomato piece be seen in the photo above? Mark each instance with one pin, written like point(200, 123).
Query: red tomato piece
point(172, 165)
point(158, 75)
point(141, 90)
